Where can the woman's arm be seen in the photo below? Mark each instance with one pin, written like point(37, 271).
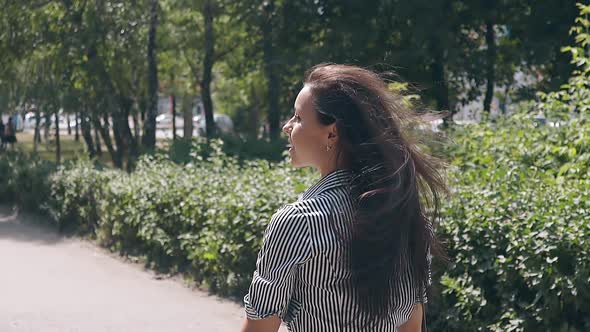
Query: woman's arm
point(285, 246)
point(414, 323)
point(270, 324)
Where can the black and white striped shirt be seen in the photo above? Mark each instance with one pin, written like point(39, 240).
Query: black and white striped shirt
point(300, 275)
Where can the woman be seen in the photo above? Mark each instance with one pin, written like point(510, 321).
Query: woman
point(352, 254)
point(1, 134)
point(10, 133)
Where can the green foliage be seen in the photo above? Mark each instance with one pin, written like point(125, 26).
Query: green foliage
point(77, 190)
point(520, 145)
point(573, 99)
point(516, 228)
point(24, 179)
point(90, 57)
point(518, 222)
point(204, 217)
point(183, 151)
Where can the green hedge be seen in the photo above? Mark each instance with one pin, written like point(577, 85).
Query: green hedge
point(24, 180)
point(517, 228)
point(203, 218)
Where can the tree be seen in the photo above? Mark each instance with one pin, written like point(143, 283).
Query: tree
point(149, 137)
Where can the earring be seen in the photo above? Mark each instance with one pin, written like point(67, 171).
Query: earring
point(328, 148)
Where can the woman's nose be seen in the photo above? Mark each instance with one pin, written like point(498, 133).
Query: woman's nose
point(286, 128)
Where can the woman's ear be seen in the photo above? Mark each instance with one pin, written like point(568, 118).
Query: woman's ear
point(332, 138)
point(333, 133)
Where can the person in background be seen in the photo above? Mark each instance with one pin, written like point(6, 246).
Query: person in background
point(2, 128)
point(10, 133)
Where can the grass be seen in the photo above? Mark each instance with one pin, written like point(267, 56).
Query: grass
point(70, 148)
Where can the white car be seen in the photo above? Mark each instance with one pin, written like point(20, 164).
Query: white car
point(223, 122)
point(29, 122)
point(165, 121)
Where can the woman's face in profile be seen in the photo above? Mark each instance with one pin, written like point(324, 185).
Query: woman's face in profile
point(308, 137)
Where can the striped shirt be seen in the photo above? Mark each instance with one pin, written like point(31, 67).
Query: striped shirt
point(300, 274)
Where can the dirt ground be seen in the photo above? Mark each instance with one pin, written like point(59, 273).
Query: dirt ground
point(53, 283)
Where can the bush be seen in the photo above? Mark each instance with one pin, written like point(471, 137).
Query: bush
point(516, 228)
point(515, 225)
point(77, 191)
point(518, 223)
point(242, 148)
point(24, 180)
point(205, 217)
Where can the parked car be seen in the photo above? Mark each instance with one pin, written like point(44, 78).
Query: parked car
point(29, 122)
point(165, 121)
point(223, 122)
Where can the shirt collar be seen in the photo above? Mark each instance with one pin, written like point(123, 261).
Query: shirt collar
point(339, 177)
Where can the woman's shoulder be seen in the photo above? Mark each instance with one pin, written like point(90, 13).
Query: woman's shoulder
point(317, 208)
point(310, 205)
point(320, 205)
point(302, 212)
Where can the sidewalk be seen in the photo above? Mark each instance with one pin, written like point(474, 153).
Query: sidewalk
point(52, 283)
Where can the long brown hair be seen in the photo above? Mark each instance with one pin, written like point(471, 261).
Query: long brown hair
point(396, 186)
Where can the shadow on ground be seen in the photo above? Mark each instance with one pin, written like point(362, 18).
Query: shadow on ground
point(25, 227)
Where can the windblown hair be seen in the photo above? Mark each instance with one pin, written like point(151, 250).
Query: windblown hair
point(396, 187)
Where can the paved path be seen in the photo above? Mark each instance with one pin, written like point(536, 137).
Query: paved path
point(51, 283)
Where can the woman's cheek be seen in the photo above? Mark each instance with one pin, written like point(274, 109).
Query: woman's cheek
point(295, 135)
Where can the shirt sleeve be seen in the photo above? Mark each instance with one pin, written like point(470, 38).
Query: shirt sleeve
point(285, 246)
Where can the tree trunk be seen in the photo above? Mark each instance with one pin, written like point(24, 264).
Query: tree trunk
point(120, 146)
point(173, 97)
point(104, 131)
point(68, 123)
point(136, 126)
point(441, 89)
point(207, 68)
point(46, 127)
point(149, 125)
point(253, 117)
point(506, 98)
point(76, 134)
point(57, 143)
point(130, 150)
point(37, 135)
point(187, 110)
point(173, 105)
point(490, 64)
point(270, 71)
point(97, 141)
point(87, 135)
